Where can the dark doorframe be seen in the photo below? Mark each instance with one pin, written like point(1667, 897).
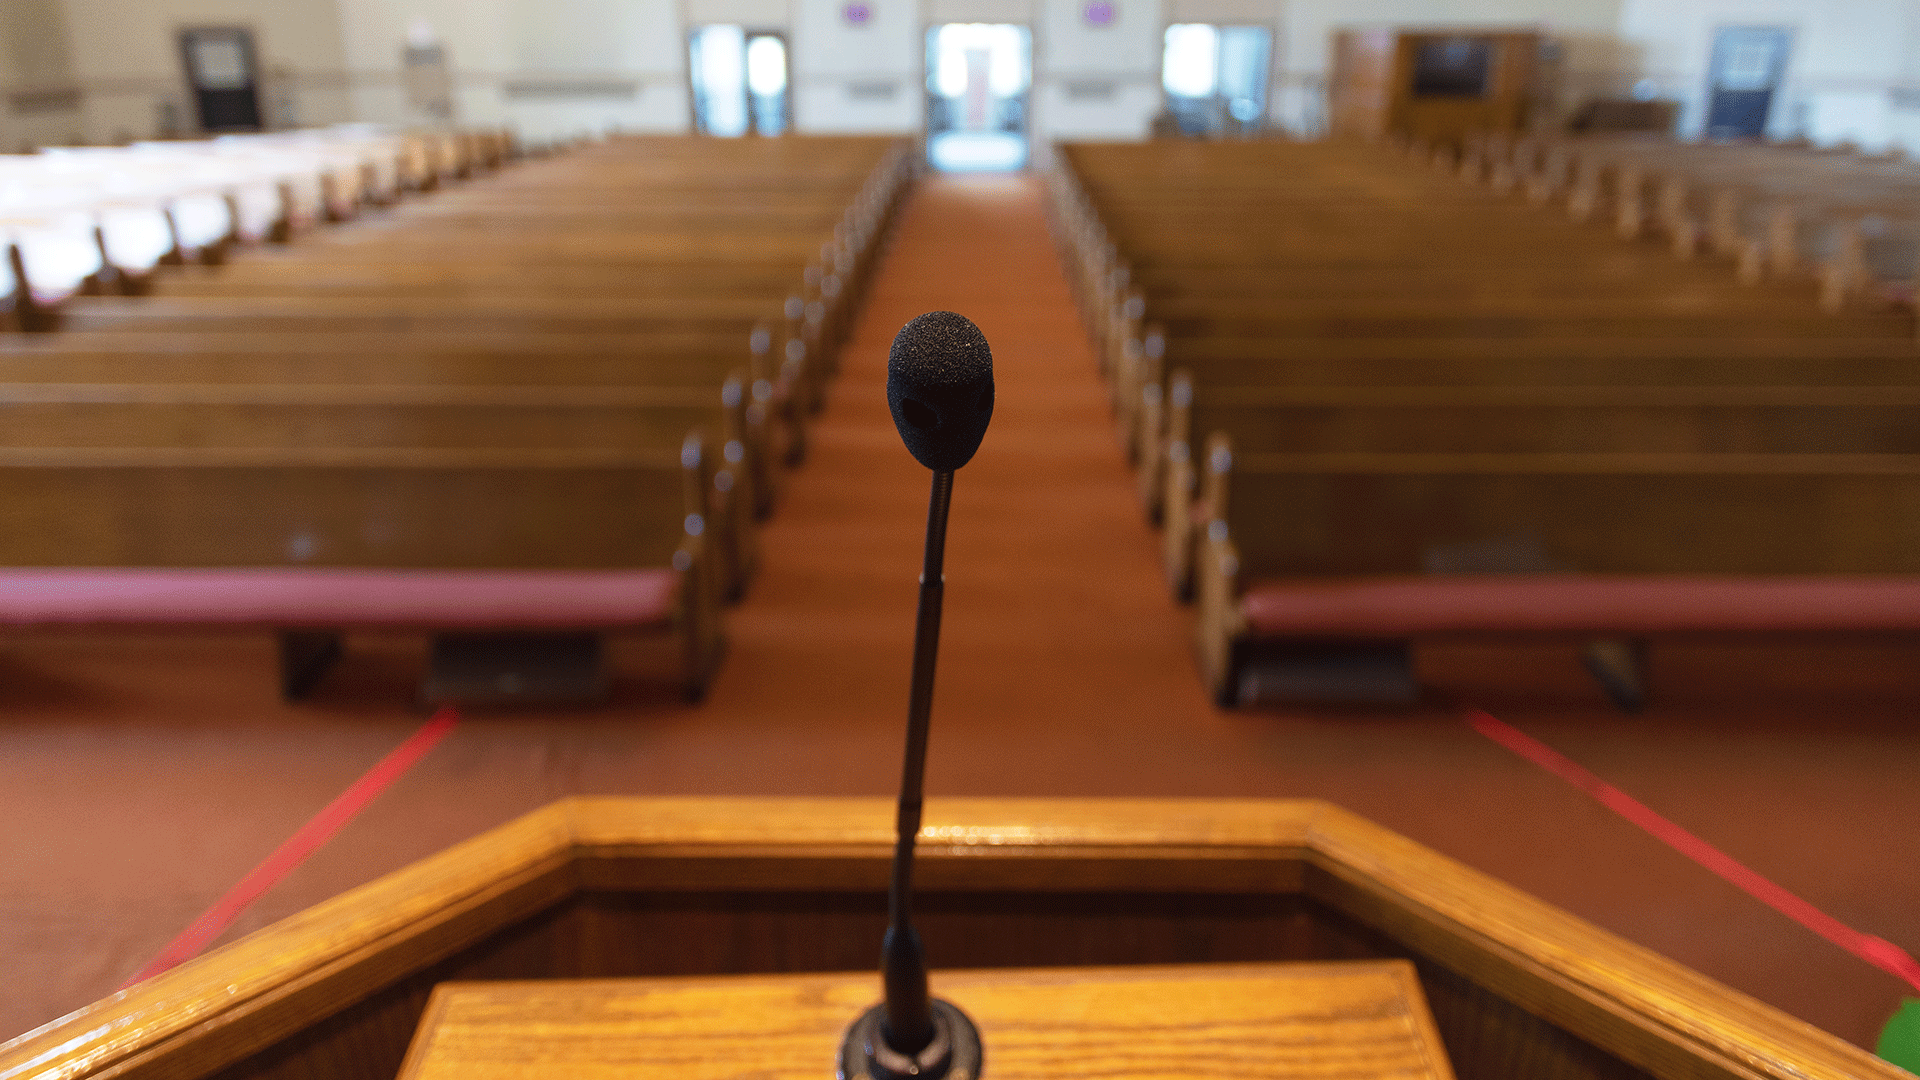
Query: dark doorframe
point(1747, 66)
point(224, 74)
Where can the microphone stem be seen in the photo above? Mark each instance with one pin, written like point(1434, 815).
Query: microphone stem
point(909, 1024)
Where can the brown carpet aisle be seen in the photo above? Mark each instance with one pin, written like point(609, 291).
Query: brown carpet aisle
point(140, 776)
point(1057, 638)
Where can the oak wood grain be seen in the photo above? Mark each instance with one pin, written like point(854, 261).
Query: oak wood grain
point(1520, 988)
point(1364, 1020)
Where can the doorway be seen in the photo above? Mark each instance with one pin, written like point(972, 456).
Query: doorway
point(1747, 66)
point(224, 77)
point(1215, 77)
point(740, 81)
point(979, 81)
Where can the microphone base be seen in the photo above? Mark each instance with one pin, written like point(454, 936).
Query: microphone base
point(954, 1053)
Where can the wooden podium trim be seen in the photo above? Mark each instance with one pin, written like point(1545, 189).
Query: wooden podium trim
point(1351, 1019)
point(270, 986)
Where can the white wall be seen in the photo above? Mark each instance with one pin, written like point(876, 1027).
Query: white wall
point(548, 67)
point(562, 67)
point(1096, 81)
point(858, 77)
point(36, 65)
point(1848, 59)
point(124, 56)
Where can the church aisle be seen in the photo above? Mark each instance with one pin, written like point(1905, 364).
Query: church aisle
point(141, 776)
point(1057, 635)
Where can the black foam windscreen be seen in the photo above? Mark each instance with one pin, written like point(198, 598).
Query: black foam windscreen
point(940, 388)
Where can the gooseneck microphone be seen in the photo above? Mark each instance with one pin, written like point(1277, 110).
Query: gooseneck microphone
point(940, 388)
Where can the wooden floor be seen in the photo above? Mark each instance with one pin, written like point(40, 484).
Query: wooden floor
point(140, 776)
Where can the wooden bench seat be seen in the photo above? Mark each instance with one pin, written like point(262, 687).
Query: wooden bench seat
point(1143, 391)
point(327, 314)
point(1412, 382)
point(1350, 224)
point(415, 599)
point(1822, 519)
point(326, 417)
point(386, 509)
point(638, 369)
point(452, 414)
point(1676, 316)
point(1304, 622)
point(308, 277)
point(1580, 605)
point(311, 609)
point(1791, 419)
point(1775, 211)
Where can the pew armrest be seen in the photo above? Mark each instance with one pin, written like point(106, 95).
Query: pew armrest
point(697, 616)
point(1218, 625)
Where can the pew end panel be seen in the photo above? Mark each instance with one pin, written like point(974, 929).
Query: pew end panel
point(1185, 520)
point(1220, 630)
point(735, 499)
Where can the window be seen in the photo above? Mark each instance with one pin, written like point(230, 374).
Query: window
point(739, 80)
point(1215, 77)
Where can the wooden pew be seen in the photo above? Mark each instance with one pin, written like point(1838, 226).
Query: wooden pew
point(1232, 362)
point(330, 417)
point(1219, 281)
point(323, 314)
point(1500, 419)
point(1351, 327)
point(619, 888)
point(1207, 240)
point(495, 353)
point(1271, 518)
point(646, 367)
point(306, 509)
point(1777, 211)
point(277, 274)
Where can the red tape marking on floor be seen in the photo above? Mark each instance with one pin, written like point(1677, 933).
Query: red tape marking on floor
point(1879, 952)
point(302, 844)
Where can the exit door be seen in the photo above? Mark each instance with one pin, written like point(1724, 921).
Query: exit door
point(224, 78)
point(979, 79)
point(739, 80)
point(1748, 65)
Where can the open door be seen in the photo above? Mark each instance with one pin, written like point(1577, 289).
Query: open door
point(979, 78)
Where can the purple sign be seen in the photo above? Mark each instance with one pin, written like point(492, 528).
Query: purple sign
point(857, 14)
point(1098, 12)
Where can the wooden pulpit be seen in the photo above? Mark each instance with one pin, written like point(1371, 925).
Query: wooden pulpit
point(1136, 929)
point(1366, 1018)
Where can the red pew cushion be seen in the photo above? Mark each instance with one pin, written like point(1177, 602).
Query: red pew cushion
point(336, 597)
point(1578, 603)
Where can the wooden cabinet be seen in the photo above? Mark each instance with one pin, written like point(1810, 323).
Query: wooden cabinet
point(1434, 85)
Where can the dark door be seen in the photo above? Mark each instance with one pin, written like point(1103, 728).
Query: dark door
point(1748, 65)
point(223, 75)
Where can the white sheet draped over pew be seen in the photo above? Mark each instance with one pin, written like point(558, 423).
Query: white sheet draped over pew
point(76, 215)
